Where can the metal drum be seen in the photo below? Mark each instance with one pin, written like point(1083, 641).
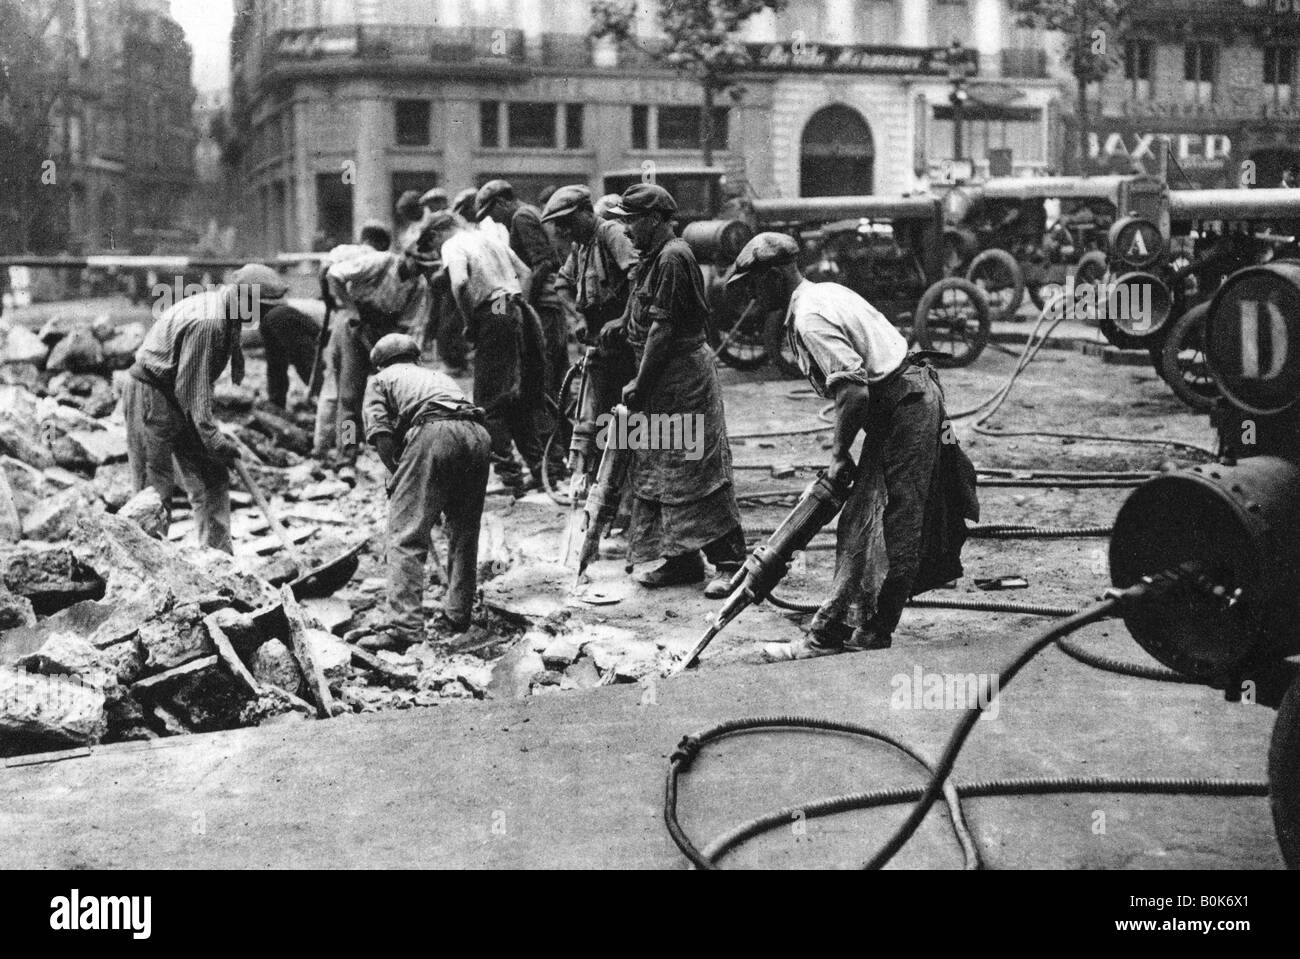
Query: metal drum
point(1137, 303)
point(1136, 243)
point(1238, 524)
point(1252, 338)
point(717, 241)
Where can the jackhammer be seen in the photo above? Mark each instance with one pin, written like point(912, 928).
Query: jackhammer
point(770, 561)
point(602, 501)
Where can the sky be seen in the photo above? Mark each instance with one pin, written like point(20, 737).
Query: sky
point(207, 27)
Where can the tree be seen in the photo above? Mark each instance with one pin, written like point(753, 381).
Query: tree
point(1093, 28)
point(701, 38)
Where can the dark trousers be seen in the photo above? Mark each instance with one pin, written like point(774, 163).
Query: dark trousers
point(446, 328)
point(288, 343)
point(443, 472)
point(507, 385)
point(351, 344)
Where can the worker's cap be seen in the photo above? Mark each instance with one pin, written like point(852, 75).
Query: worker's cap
point(440, 222)
point(566, 200)
point(463, 202)
point(489, 192)
point(763, 251)
point(642, 198)
point(394, 346)
point(606, 203)
point(408, 200)
point(269, 284)
point(436, 195)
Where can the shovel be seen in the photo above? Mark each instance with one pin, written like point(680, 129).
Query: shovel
point(317, 581)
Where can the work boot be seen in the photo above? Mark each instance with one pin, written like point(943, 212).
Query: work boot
point(808, 646)
point(720, 586)
point(675, 571)
point(446, 626)
point(868, 637)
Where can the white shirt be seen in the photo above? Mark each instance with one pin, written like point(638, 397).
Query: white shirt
point(839, 336)
point(482, 266)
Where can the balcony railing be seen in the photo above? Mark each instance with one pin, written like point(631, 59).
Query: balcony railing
point(1025, 62)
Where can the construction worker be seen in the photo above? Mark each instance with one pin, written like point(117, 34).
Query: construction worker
point(410, 216)
point(530, 242)
point(170, 424)
point(443, 325)
point(487, 281)
point(684, 499)
point(433, 442)
point(289, 338)
point(901, 530)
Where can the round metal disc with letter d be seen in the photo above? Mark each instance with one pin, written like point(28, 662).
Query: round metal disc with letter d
point(1252, 338)
point(1136, 242)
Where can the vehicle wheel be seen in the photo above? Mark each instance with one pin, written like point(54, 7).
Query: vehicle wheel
point(997, 273)
point(743, 348)
point(953, 319)
point(1284, 775)
point(1182, 360)
point(1091, 269)
point(778, 345)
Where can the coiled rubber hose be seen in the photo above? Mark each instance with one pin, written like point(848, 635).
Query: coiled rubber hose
point(922, 797)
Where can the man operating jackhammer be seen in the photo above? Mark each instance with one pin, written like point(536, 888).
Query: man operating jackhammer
point(685, 500)
point(170, 424)
point(595, 280)
point(902, 527)
point(433, 442)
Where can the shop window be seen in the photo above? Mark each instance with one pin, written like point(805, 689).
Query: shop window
point(412, 121)
point(531, 125)
point(640, 128)
point(573, 126)
point(1137, 68)
point(679, 128)
point(489, 112)
point(1279, 74)
point(1200, 64)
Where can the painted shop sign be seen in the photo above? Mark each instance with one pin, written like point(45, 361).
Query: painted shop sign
point(830, 58)
point(1205, 156)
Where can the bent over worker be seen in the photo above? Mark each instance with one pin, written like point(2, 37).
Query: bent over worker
point(170, 424)
point(685, 500)
point(434, 443)
point(901, 530)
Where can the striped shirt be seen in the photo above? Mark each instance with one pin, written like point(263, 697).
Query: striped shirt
point(188, 348)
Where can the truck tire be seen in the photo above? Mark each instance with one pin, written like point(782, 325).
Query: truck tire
point(953, 319)
point(998, 274)
point(778, 346)
point(1284, 775)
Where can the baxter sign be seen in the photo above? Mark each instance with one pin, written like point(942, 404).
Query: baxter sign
point(1205, 156)
point(828, 58)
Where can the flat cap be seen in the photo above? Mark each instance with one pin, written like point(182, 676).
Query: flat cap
point(442, 220)
point(566, 200)
point(606, 203)
point(489, 191)
point(394, 346)
point(408, 199)
point(643, 198)
point(463, 203)
point(764, 250)
point(270, 285)
point(436, 195)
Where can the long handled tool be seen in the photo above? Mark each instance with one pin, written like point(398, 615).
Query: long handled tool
point(582, 444)
point(770, 561)
point(602, 502)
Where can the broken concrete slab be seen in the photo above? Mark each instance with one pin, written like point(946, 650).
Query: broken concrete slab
point(79, 448)
point(560, 653)
point(334, 614)
point(79, 351)
point(162, 683)
point(11, 524)
point(385, 673)
point(274, 665)
point(37, 710)
point(64, 653)
point(281, 431)
point(513, 673)
point(583, 674)
point(79, 619)
point(22, 445)
point(240, 629)
point(52, 577)
point(20, 345)
point(55, 518)
point(618, 651)
point(175, 639)
point(331, 654)
point(115, 484)
point(147, 510)
point(299, 624)
point(226, 650)
point(324, 490)
point(529, 589)
point(15, 610)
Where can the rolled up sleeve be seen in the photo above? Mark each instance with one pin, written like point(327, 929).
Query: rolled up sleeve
point(375, 413)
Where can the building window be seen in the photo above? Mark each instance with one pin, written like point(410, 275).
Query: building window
point(1137, 68)
point(531, 125)
point(1200, 63)
point(640, 128)
point(950, 20)
point(412, 118)
point(573, 126)
point(489, 112)
point(679, 128)
point(1279, 73)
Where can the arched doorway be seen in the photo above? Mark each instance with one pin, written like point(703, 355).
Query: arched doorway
point(836, 154)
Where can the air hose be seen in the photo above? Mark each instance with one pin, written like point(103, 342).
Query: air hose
point(993, 531)
point(925, 797)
